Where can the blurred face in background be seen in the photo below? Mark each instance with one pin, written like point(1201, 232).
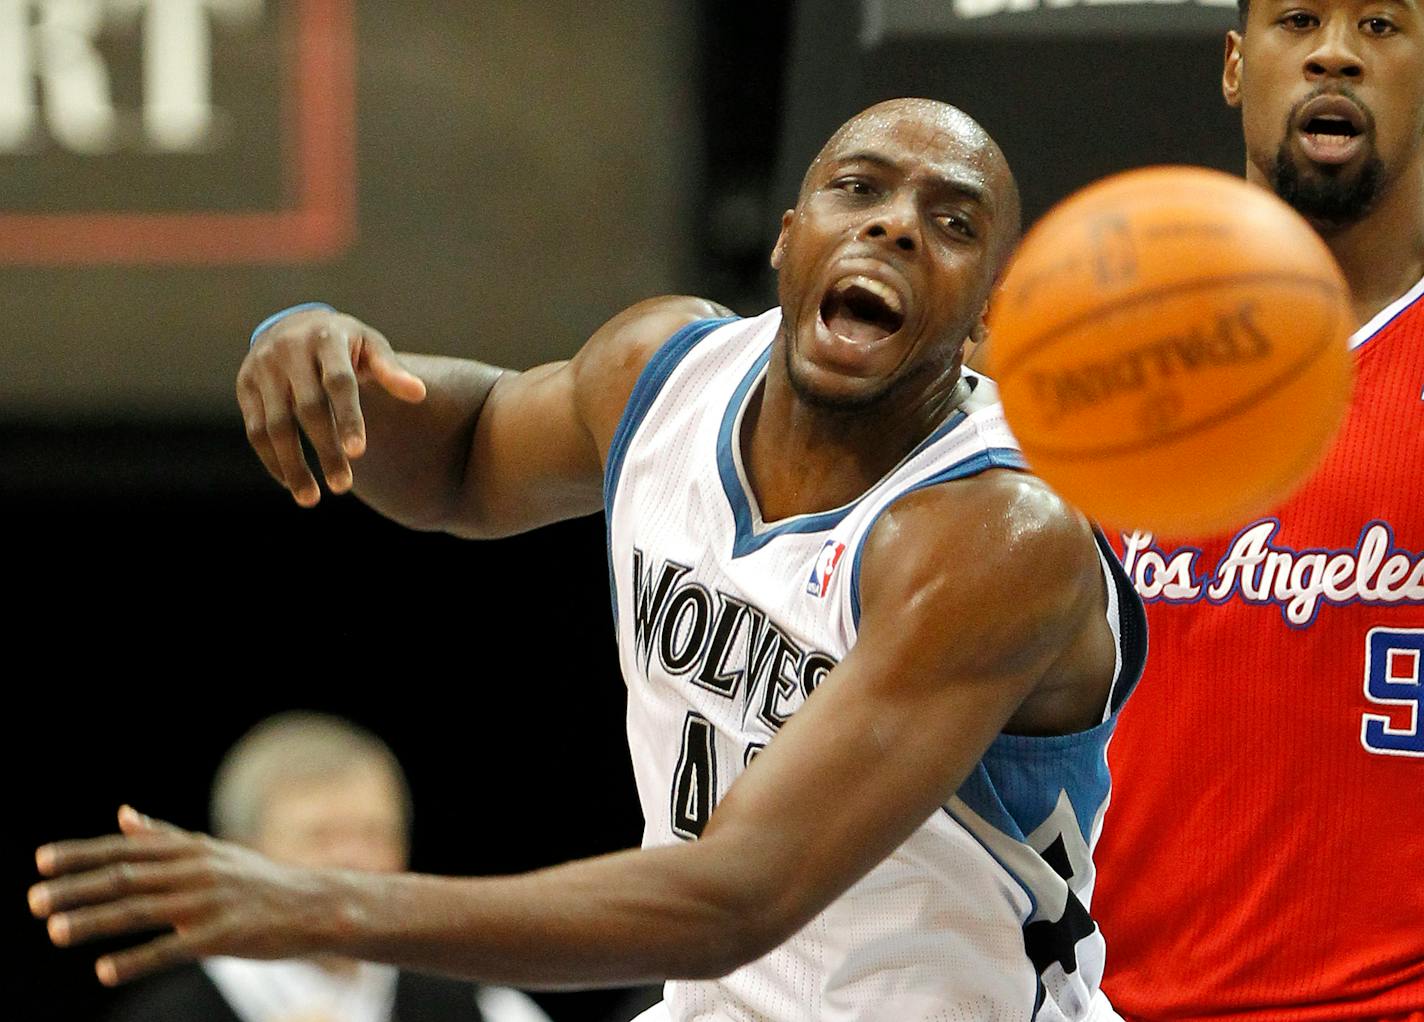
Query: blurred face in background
point(350, 820)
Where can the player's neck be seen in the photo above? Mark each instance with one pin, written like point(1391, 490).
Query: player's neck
point(804, 459)
point(1382, 255)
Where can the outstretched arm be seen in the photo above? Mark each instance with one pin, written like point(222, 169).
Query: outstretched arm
point(973, 593)
point(443, 443)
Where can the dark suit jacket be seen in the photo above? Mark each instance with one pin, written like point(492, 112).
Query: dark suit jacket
point(187, 995)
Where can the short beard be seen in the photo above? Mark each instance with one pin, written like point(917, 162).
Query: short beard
point(840, 404)
point(852, 404)
point(1328, 201)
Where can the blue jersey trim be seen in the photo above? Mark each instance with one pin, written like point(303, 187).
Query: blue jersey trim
point(1132, 626)
point(746, 538)
point(1016, 784)
point(993, 457)
point(1028, 772)
point(649, 385)
point(1028, 891)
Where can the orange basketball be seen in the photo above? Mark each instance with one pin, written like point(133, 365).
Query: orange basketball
point(1170, 345)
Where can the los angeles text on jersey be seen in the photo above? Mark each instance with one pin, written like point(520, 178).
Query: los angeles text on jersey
point(720, 642)
point(1257, 569)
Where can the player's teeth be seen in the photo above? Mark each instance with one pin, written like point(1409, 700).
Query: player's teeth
point(885, 293)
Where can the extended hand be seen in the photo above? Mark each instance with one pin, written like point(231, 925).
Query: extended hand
point(305, 369)
point(216, 897)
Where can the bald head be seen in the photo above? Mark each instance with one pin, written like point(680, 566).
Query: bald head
point(885, 265)
point(940, 133)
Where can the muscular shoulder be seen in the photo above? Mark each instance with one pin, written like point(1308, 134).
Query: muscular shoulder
point(986, 524)
point(997, 561)
point(607, 367)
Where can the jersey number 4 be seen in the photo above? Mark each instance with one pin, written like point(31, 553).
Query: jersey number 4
point(1394, 677)
point(694, 782)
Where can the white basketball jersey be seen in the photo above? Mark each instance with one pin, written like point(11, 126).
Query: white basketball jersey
point(726, 624)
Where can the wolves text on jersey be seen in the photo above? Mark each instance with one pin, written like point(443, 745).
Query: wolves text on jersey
point(720, 642)
point(1255, 569)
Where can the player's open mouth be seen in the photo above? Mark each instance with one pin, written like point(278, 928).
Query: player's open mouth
point(1332, 129)
point(859, 308)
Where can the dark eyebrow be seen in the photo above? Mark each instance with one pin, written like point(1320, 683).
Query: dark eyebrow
point(971, 190)
point(1403, 5)
point(1396, 7)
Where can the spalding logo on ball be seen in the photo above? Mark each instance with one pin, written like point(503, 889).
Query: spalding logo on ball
point(1171, 349)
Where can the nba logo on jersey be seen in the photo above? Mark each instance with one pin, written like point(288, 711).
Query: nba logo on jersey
point(826, 562)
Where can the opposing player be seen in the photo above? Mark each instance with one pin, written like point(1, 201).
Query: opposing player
point(871, 665)
point(1276, 749)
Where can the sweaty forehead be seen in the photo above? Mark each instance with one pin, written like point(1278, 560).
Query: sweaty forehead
point(935, 134)
point(938, 128)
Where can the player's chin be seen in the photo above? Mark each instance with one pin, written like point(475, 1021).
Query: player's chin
point(833, 388)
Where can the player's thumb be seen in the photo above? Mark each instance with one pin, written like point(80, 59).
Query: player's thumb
point(132, 822)
point(394, 378)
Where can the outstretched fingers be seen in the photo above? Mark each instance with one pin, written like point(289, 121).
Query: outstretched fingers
point(158, 954)
point(343, 398)
point(265, 395)
point(116, 881)
point(254, 420)
point(281, 426)
point(301, 379)
point(216, 897)
point(66, 857)
point(138, 913)
point(314, 411)
point(303, 376)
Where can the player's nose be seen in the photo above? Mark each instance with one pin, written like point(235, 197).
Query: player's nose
point(1336, 53)
point(894, 221)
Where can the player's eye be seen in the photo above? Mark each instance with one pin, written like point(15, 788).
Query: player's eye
point(958, 225)
point(1378, 26)
point(1299, 20)
point(853, 186)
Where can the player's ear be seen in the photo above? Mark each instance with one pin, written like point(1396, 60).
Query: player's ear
point(1231, 70)
point(976, 348)
point(778, 251)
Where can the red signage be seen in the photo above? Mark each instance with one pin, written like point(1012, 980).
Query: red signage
point(313, 217)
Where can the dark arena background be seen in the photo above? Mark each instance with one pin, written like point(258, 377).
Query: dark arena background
point(490, 180)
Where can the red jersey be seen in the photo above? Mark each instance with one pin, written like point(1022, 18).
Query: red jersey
point(1263, 856)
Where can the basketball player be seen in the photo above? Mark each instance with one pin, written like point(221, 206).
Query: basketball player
point(1266, 858)
point(871, 665)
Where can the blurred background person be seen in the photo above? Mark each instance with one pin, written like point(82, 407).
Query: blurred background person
point(316, 790)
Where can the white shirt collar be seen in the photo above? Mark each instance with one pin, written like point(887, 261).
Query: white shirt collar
point(301, 991)
point(1386, 315)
